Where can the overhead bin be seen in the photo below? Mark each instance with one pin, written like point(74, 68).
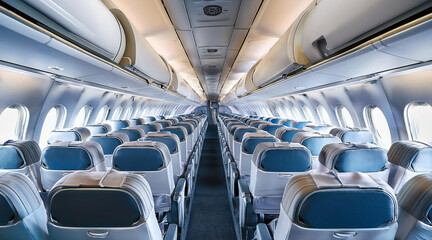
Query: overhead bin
point(246, 85)
point(89, 20)
point(283, 58)
point(333, 25)
point(139, 56)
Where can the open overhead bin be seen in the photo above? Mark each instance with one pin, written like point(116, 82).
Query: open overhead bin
point(139, 56)
point(246, 85)
point(88, 20)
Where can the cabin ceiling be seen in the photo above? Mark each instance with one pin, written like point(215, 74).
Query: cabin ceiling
point(212, 43)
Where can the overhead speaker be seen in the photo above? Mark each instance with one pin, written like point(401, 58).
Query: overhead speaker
point(212, 10)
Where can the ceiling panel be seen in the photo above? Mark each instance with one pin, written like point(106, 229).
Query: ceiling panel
point(222, 12)
point(212, 36)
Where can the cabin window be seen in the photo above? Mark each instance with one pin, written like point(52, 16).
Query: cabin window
point(377, 123)
point(83, 116)
point(344, 117)
point(323, 115)
point(418, 119)
point(308, 113)
point(103, 114)
point(55, 119)
point(296, 113)
point(13, 123)
point(128, 113)
point(117, 113)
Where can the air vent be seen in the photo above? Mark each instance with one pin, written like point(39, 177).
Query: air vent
point(212, 50)
point(212, 10)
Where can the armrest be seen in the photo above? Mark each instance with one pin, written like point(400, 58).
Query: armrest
point(247, 217)
point(171, 233)
point(176, 215)
point(262, 232)
point(189, 179)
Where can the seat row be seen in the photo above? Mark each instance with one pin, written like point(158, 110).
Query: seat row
point(259, 165)
point(156, 156)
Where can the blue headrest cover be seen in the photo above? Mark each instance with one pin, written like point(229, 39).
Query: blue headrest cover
point(108, 144)
point(164, 124)
point(66, 136)
point(275, 120)
point(316, 144)
point(361, 160)
point(302, 124)
point(137, 159)
point(10, 158)
point(119, 124)
point(288, 123)
point(346, 209)
point(251, 143)
point(169, 142)
point(287, 136)
point(7, 211)
point(94, 208)
point(357, 137)
point(66, 158)
point(271, 129)
point(241, 132)
point(132, 134)
point(187, 126)
point(96, 129)
point(147, 128)
point(285, 160)
point(177, 132)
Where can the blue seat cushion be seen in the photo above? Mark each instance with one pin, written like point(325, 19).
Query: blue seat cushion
point(96, 129)
point(64, 158)
point(275, 120)
point(358, 137)
point(138, 159)
point(7, 212)
point(164, 124)
point(233, 128)
point(316, 144)
point(187, 126)
point(132, 134)
point(240, 133)
point(10, 158)
point(64, 136)
point(287, 136)
point(94, 208)
point(285, 160)
point(288, 123)
point(251, 143)
point(135, 122)
point(364, 160)
point(108, 144)
point(271, 129)
point(346, 209)
point(147, 128)
point(149, 119)
point(177, 132)
point(169, 142)
point(301, 124)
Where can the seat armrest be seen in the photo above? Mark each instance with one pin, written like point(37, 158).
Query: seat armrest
point(247, 217)
point(176, 215)
point(171, 233)
point(262, 232)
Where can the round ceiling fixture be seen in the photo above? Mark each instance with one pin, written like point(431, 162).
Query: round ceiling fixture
point(212, 10)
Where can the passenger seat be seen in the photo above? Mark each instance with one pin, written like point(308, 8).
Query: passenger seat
point(69, 134)
point(99, 128)
point(355, 135)
point(111, 205)
point(109, 142)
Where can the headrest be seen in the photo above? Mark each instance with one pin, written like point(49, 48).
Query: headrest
point(415, 197)
point(70, 134)
point(180, 131)
point(148, 120)
point(134, 133)
point(255, 121)
point(80, 200)
point(18, 197)
point(240, 132)
point(173, 120)
point(286, 122)
point(150, 127)
point(118, 124)
point(189, 127)
point(98, 128)
point(13, 157)
point(193, 121)
point(141, 156)
point(314, 141)
point(252, 139)
point(282, 157)
point(171, 140)
point(257, 124)
point(323, 129)
point(110, 141)
point(359, 135)
point(271, 128)
point(228, 120)
point(286, 134)
point(301, 124)
point(164, 123)
point(344, 200)
point(412, 155)
point(275, 120)
point(233, 128)
point(351, 157)
point(72, 156)
point(134, 122)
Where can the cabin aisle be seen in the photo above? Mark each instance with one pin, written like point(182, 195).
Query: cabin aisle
point(211, 216)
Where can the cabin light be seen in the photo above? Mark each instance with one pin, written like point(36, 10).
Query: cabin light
point(57, 68)
point(124, 87)
point(300, 88)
